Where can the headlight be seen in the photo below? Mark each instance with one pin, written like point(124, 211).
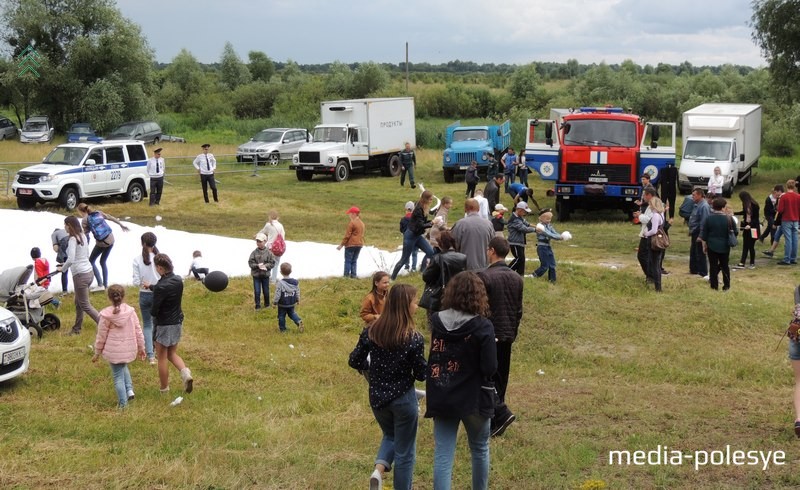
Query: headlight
point(47, 178)
point(447, 158)
point(484, 157)
point(330, 160)
point(295, 159)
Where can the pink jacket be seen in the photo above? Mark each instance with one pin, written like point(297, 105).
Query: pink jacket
point(119, 335)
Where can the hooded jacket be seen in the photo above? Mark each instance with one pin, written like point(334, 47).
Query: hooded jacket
point(119, 335)
point(462, 361)
point(287, 292)
point(440, 270)
point(504, 288)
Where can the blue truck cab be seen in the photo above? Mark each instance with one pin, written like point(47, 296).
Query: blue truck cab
point(467, 143)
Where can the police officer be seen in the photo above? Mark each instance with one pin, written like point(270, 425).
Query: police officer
point(155, 169)
point(206, 164)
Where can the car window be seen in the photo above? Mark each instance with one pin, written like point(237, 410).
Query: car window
point(115, 155)
point(136, 152)
point(97, 156)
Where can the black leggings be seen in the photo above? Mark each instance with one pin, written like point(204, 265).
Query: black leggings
point(748, 247)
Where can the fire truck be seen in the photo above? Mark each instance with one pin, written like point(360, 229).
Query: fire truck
point(597, 155)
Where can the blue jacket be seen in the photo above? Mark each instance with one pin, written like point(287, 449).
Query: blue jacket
point(518, 229)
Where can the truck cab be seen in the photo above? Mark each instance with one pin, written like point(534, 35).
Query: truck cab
point(468, 143)
point(335, 149)
point(701, 155)
point(596, 156)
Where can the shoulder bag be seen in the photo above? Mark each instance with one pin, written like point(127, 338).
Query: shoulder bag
point(732, 239)
point(659, 241)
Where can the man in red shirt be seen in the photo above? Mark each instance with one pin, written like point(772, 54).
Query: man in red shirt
point(789, 209)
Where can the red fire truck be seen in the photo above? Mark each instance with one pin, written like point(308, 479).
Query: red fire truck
point(596, 156)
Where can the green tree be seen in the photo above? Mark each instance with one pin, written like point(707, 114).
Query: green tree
point(261, 66)
point(183, 79)
point(81, 42)
point(776, 25)
point(338, 80)
point(368, 78)
point(232, 71)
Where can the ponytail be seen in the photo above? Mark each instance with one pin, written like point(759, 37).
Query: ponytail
point(116, 294)
point(148, 245)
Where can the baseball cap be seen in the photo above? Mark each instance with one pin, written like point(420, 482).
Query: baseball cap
point(410, 205)
point(261, 237)
point(353, 209)
point(500, 207)
point(523, 205)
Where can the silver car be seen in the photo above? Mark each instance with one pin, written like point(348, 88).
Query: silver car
point(273, 145)
point(8, 129)
point(37, 129)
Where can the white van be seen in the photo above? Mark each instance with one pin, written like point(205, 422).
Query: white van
point(76, 171)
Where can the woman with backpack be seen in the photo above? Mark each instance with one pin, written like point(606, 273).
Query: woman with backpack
point(94, 221)
point(274, 229)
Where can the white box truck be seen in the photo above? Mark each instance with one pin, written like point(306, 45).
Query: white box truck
point(358, 135)
point(727, 136)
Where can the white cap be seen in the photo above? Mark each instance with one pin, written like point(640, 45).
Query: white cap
point(500, 207)
point(261, 237)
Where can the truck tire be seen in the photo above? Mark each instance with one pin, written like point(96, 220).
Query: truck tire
point(341, 172)
point(68, 198)
point(304, 175)
point(563, 208)
point(26, 203)
point(746, 177)
point(392, 167)
point(135, 192)
point(727, 191)
point(449, 175)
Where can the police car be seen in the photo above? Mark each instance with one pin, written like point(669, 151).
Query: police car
point(76, 171)
point(15, 346)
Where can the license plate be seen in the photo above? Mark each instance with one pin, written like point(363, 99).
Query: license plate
point(308, 168)
point(598, 179)
point(25, 192)
point(14, 355)
point(463, 167)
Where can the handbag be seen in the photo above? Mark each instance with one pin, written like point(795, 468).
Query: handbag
point(659, 241)
point(732, 239)
point(432, 294)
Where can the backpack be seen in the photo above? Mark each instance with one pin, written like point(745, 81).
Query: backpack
point(63, 244)
point(98, 225)
point(687, 206)
point(278, 246)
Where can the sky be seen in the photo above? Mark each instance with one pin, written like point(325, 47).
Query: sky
point(707, 32)
point(229, 255)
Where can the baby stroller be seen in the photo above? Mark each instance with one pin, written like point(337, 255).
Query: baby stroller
point(27, 301)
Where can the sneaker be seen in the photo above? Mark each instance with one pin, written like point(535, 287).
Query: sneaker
point(300, 326)
point(706, 277)
point(131, 395)
point(188, 382)
point(420, 393)
point(97, 288)
point(498, 431)
point(376, 480)
point(739, 266)
point(664, 272)
point(768, 253)
point(164, 391)
point(152, 361)
point(752, 266)
point(783, 263)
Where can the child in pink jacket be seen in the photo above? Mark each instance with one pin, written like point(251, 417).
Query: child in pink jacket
point(119, 340)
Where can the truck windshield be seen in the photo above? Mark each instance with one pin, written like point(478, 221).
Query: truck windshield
point(601, 132)
point(330, 135)
point(471, 135)
point(65, 155)
point(268, 136)
point(707, 150)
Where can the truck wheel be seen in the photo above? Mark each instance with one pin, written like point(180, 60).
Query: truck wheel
point(26, 203)
point(392, 167)
point(304, 175)
point(341, 172)
point(135, 192)
point(449, 175)
point(563, 209)
point(274, 158)
point(69, 198)
point(727, 191)
point(746, 177)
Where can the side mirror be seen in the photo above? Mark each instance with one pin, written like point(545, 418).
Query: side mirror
point(90, 162)
point(548, 134)
point(499, 133)
point(741, 157)
point(567, 127)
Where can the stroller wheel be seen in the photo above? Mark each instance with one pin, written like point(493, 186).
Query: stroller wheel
point(50, 322)
point(35, 330)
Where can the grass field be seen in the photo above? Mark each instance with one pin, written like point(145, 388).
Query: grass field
point(601, 364)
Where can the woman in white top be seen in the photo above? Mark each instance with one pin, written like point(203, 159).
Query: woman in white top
point(716, 182)
point(272, 228)
point(82, 272)
point(144, 276)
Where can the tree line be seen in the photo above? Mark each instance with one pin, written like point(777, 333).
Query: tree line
point(97, 67)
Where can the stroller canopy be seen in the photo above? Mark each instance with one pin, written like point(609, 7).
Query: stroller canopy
point(12, 279)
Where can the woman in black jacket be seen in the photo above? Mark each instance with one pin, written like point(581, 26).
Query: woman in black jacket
point(750, 225)
point(168, 322)
point(442, 267)
point(414, 236)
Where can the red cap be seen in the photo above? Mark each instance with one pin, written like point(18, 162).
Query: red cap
point(354, 209)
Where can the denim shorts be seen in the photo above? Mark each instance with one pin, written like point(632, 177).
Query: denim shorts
point(168, 335)
point(794, 350)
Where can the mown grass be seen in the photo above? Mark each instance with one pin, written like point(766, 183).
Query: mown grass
point(602, 363)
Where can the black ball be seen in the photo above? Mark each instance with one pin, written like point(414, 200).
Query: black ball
point(216, 281)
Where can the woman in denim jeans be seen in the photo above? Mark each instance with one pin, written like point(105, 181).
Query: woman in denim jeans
point(414, 236)
point(461, 364)
point(144, 276)
point(393, 353)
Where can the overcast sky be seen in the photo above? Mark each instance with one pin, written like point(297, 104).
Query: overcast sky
point(703, 32)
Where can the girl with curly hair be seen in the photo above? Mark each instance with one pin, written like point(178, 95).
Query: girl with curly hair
point(461, 364)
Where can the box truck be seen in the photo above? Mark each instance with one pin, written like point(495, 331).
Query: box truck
point(358, 135)
point(727, 136)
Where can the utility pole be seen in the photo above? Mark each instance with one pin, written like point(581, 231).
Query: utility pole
point(406, 67)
